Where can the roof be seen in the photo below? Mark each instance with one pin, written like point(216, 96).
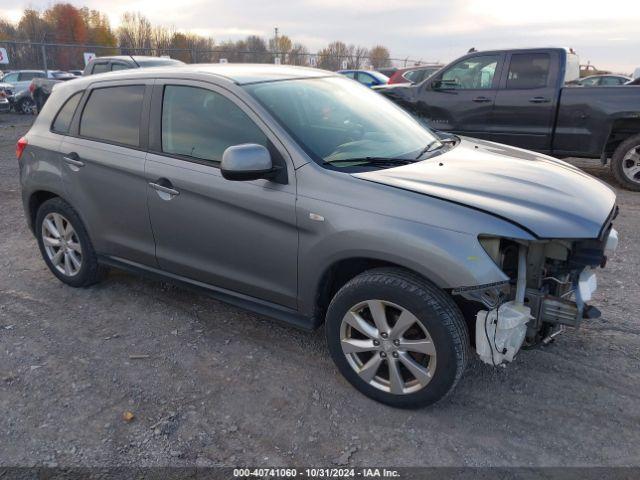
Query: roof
point(421, 67)
point(527, 49)
point(26, 71)
point(239, 73)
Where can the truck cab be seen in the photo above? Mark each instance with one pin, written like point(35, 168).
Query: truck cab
point(523, 98)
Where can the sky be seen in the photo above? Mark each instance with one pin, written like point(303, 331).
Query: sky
point(604, 34)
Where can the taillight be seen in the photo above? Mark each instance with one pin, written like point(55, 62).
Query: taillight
point(20, 146)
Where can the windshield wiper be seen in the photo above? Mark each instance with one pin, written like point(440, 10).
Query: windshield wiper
point(371, 161)
point(433, 145)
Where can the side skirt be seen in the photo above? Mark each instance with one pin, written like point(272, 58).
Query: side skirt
point(268, 309)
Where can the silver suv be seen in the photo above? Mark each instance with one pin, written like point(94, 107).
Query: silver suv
point(306, 197)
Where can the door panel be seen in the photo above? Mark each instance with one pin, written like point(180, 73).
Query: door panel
point(461, 98)
point(108, 189)
point(241, 236)
point(525, 105)
point(105, 182)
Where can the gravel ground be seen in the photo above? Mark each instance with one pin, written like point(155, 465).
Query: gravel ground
point(210, 384)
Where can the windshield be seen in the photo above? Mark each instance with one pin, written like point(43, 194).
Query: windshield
point(335, 119)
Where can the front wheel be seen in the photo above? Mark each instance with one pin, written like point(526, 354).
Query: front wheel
point(625, 163)
point(397, 338)
point(27, 106)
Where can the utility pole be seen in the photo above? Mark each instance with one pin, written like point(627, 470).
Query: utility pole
point(44, 59)
point(275, 43)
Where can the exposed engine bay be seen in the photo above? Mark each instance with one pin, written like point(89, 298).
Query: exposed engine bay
point(550, 283)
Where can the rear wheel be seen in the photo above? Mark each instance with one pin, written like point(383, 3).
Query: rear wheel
point(625, 163)
point(65, 244)
point(397, 338)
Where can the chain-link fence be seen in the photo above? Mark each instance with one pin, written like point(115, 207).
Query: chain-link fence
point(58, 56)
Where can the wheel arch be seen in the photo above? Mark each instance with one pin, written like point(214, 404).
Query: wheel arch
point(337, 274)
point(621, 130)
point(36, 199)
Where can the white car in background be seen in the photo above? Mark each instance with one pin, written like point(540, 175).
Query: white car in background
point(18, 83)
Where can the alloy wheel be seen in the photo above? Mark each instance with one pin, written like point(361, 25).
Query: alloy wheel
point(631, 164)
point(61, 244)
point(388, 347)
point(28, 106)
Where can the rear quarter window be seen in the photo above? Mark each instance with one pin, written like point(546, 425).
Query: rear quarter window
point(100, 68)
point(113, 114)
point(64, 116)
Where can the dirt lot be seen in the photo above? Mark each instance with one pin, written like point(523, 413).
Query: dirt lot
point(219, 386)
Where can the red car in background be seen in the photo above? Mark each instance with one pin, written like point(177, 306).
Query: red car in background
point(413, 74)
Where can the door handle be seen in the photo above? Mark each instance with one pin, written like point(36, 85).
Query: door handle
point(73, 159)
point(481, 99)
point(163, 189)
point(539, 100)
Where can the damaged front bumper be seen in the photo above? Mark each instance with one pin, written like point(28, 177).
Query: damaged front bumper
point(549, 287)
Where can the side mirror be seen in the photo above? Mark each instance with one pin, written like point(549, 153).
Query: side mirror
point(248, 161)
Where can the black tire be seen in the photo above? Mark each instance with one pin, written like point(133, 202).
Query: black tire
point(27, 106)
point(433, 308)
point(617, 163)
point(90, 271)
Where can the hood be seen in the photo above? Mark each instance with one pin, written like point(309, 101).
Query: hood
point(550, 198)
point(392, 86)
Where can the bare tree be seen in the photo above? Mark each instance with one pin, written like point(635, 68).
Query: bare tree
point(299, 55)
point(161, 39)
point(379, 57)
point(135, 32)
point(255, 50)
point(7, 30)
point(280, 46)
point(357, 56)
point(332, 56)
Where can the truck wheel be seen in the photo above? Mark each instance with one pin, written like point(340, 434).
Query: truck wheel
point(65, 244)
point(397, 338)
point(625, 163)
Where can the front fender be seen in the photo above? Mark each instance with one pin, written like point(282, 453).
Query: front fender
point(448, 258)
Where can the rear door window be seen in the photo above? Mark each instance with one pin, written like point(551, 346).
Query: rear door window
point(366, 79)
point(26, 76)
point(611, 81)
point(112, 114)
point(65, 114)
point(590, 82)
point(528, 70)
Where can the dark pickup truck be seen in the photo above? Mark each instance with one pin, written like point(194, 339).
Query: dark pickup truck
point(521, 98)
